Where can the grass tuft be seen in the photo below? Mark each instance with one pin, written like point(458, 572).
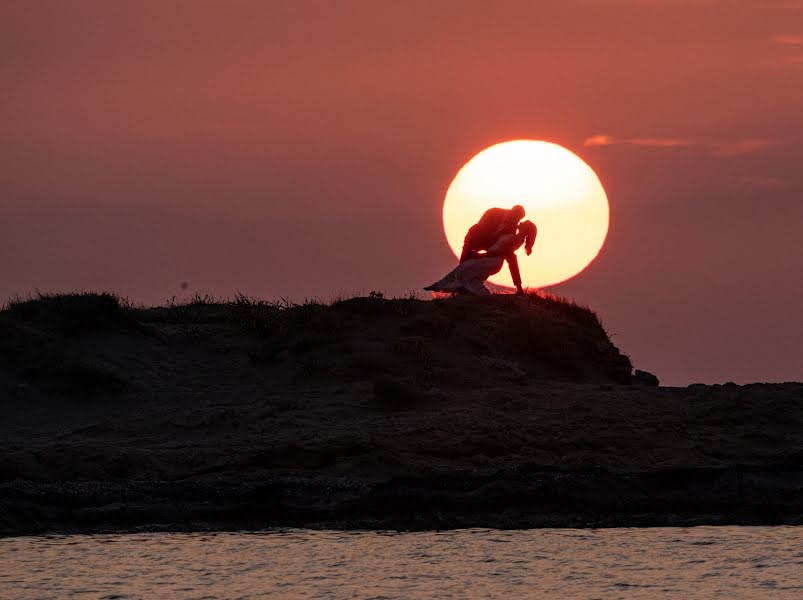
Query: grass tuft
point(71, 314)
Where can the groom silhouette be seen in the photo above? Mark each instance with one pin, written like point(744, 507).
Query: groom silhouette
point(481, 236)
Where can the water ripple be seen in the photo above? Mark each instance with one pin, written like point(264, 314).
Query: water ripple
point(704, 562)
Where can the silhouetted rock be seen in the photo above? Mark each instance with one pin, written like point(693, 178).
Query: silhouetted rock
point(644, 378)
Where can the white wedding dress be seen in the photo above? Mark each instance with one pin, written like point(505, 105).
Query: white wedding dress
point(469, 277)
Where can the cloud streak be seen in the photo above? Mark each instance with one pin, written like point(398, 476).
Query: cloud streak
point(741, 147)
point(788, 40)
point(721, 149)
point(793, 42)
point(608, 140)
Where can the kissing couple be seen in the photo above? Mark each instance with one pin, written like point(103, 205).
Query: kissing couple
point(488, 244)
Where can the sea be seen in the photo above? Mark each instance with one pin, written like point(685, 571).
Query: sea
point(696, 562)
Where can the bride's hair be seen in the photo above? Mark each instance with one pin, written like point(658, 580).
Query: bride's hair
point(529, 231)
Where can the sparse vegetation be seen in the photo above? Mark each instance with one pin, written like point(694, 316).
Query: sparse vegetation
point(413, 348)
point(70, 314)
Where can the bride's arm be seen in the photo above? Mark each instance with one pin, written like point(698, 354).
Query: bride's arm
point(513, 263)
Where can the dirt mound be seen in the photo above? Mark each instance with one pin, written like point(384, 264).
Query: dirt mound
point(70, 342)
point(470, 340)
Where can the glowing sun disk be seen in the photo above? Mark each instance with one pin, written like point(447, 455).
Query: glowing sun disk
point(561, 194)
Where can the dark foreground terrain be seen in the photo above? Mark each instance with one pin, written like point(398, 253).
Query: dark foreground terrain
point(369, 413)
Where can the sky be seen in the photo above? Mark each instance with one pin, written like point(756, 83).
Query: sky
point(304, 148)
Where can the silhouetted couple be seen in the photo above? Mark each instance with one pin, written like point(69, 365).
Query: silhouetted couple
point(488, 244)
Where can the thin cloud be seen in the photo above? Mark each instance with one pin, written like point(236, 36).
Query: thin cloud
point(723, 149)
point(741, 147)
point(607, 140)
point(599, 140)
point(788, 40)
point(793, 42)
point(661, 142)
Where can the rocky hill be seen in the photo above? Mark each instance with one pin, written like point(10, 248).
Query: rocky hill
point(369, 412)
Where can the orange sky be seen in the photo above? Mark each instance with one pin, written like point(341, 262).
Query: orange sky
point(304, 148)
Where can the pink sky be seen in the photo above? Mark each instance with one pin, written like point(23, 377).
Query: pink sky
point(304, 149)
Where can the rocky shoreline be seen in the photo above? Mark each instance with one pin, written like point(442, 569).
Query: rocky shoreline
point(539, 498)
point(370, 414)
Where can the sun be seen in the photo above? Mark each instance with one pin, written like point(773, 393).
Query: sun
point(560, 192)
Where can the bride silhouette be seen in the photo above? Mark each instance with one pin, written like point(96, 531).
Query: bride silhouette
point(470, 275)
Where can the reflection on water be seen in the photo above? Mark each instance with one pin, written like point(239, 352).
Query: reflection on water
point(703, 562)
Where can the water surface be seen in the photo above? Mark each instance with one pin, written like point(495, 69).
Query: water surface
point(702, 562)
